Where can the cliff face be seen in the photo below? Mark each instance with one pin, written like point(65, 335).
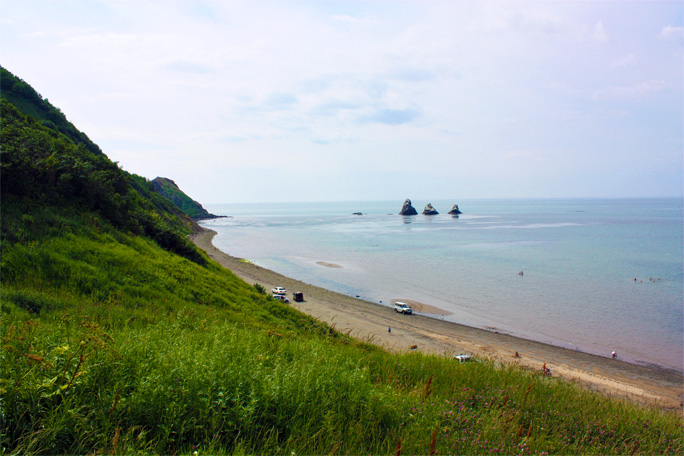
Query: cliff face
point(169, 189)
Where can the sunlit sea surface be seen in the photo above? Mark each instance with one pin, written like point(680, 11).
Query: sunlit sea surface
point(579, 258)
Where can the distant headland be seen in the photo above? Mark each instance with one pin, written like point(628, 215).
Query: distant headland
point(168, 188)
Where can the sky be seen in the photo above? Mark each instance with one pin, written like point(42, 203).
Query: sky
point(270, 101)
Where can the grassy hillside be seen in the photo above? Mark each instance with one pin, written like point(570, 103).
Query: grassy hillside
point(169, 189)
point(28, 101)
point(42, 169)
point(119, 337)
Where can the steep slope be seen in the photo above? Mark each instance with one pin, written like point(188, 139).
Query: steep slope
point(28, 101)
point(44, 167)
point(169, 189)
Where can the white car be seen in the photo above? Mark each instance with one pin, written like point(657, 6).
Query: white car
point(278, 290)
point(402, 308)
point(282, 298)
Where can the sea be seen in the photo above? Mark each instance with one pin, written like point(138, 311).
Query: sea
point(593, 275)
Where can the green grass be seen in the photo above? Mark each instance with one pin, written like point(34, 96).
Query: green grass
point(111, 344)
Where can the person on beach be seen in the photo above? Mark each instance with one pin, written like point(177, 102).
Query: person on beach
point(614, 354)
point(389, 329)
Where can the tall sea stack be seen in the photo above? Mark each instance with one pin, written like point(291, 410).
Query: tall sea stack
point(455, 210)
point(429, 210)
point(408, 209)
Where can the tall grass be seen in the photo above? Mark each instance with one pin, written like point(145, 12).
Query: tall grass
point(112, 345)
point(98, 378)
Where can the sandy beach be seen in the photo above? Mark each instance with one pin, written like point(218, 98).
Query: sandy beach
point(421, 331)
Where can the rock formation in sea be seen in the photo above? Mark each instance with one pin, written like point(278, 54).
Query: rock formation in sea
point(408, 209)
point(455, 210)
point(429, 210)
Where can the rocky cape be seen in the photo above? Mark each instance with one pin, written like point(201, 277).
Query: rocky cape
point(168, 189)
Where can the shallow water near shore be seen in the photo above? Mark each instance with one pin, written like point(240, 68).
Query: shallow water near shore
point(579, 258)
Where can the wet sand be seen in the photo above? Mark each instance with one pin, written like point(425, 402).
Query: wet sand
point(329, 265)
point(368, 321)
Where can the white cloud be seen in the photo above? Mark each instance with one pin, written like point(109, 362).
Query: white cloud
point(241, 88)
point(91, 40)
point(641, 89)
point(599, 34)
point(628, 60)
point(187, 66)
point(391, 116)
point(672, 32)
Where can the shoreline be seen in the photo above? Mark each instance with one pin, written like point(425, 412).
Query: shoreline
point(368, 321)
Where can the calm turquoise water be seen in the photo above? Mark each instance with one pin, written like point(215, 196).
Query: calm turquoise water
point(579, 257)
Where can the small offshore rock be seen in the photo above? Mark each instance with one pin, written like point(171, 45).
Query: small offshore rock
point(455, 210)
point(429, 210)
point(408, 209)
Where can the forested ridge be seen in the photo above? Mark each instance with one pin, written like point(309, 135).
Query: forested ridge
point(30, 102)
point(45, 165)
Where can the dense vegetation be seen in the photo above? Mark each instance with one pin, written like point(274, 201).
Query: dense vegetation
point(119, 337)
point(41, 167)
point(169, 189)
point(28, 101)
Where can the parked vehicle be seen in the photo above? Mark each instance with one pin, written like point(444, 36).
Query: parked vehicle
point(298, 296)
point(278, 290)
point(403, 308)
point(282, 298)
point(462, 358)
